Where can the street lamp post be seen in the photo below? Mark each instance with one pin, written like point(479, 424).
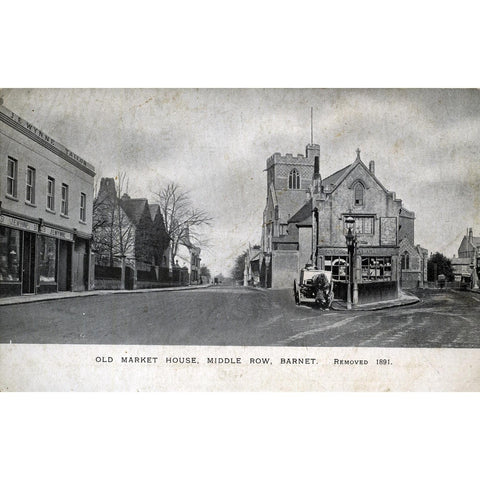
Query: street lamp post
point(350, 241)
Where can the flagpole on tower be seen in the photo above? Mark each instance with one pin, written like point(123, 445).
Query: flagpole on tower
point(311, 125)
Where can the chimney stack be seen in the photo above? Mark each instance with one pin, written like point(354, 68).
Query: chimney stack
point(371, 167)
point(470, 234)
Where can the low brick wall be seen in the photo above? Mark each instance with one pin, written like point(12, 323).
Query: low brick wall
point(340, 291)
point(107, 284)
point(159, 284)
point(376, 292)
point(367, 292)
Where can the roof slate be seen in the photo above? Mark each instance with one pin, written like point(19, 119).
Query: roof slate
point(335, 177)
point(303, 216)
point(134, 208)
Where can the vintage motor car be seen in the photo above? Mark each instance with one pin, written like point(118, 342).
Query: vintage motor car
point(315, 286)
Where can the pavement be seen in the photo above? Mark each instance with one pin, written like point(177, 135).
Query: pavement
point(403, 299)
point(45, 297)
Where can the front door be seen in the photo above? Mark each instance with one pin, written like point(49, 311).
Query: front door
point(28, 265)
point(64, 266)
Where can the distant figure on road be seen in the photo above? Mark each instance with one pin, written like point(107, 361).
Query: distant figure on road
point(441, 280)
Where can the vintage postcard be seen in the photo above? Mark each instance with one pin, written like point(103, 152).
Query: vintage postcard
point(239, 240)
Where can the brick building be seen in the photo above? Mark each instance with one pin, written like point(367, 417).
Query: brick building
point(305, 222)
point(46, 195)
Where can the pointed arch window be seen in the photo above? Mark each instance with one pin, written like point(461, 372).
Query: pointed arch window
point(359, 191)
point(405, 261)
point(294, 180)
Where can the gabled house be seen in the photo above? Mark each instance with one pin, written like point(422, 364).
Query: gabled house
point(138, 213)
point(114, 233)
point(469, 246)
point(161, 243)
point(470, 249)
point(125, 228)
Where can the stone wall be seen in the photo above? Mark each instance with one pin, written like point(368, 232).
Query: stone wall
point(284, 268)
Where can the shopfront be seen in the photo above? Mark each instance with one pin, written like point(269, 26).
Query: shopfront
point(375, 271)
point(34, 258)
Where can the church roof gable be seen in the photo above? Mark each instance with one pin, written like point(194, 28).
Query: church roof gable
point(333, 181)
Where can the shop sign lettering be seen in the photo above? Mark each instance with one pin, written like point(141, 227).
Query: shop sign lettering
point(17, 223)
point(53, 232)
point(36, 131)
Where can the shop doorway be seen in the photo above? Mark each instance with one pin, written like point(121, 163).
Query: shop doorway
point(28, 263)
point(64, 266)
point(80, 266)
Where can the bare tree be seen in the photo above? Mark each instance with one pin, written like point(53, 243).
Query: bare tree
point(183, 222)
point(114, 234)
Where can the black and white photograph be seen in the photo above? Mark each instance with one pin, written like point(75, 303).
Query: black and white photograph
point(240, 218)
point(239, 240)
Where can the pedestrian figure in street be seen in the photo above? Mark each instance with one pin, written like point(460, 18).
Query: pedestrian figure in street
point(323, 290)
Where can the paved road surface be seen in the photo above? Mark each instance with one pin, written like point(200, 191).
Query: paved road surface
point(241, 316)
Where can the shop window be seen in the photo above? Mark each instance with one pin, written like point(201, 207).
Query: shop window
point(338, 266)
point(47, 259)
point(30, 186)
point(363, 225)
point(9, 255)
point(406, 261)
point(64, 207)
point(375, 269)
point(359, 191)
point(12, 172)
point(51, 194)
point(294, 180)
point(83, 207)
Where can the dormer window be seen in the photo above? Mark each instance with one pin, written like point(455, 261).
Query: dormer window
point(294, 180)
point(358, 192)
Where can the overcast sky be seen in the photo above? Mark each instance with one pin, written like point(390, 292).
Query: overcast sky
point(215, 143)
